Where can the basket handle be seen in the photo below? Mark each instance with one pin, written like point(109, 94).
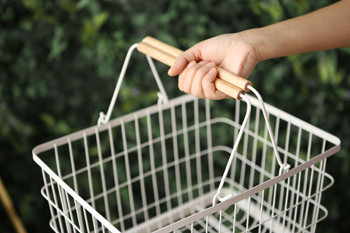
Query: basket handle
point(162, 96)
point(226, 81)
point(223, 74)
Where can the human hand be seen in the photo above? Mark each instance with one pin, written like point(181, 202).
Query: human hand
point(196, 67)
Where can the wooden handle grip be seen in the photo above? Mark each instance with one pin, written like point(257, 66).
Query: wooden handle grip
point(162, 46)
point(222, 73)
point(169, 60)
point(228, 89)
point(155, 53)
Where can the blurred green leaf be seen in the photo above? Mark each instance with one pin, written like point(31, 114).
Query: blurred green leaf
point(33, 4)
point(48, 119)
point(82, 3)
point(100, 19)
point(327, 66)
point(89, 31)
point(68, 5)
point(58, 43)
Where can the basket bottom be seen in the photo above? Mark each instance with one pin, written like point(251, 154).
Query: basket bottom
point(248, 217)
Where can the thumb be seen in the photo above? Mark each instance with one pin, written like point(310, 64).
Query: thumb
point(182, 60)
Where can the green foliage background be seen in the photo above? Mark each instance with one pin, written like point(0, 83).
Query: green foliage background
point(59, 61)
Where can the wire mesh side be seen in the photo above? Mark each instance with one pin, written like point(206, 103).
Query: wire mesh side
point(292, 205)
point(299, 213)
point(68, 211)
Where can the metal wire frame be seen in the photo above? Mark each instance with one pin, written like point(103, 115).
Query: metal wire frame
point(158, 169)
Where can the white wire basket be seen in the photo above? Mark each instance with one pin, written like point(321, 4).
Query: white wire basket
point(160, 169)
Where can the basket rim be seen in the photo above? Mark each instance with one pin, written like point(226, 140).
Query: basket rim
point(176, 101)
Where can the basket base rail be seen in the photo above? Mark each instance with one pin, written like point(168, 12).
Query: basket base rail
point(198, 205)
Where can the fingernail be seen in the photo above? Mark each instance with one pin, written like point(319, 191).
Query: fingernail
point(191, 64)
point(210, 64)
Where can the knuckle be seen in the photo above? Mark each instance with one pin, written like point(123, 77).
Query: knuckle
point(202, 71)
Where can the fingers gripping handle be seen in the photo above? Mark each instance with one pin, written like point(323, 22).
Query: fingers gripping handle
point(223, 74)
point(169, 60)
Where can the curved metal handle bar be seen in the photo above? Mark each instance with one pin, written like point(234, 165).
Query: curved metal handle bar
point(162, 96)
point(284, 167)
point(234, 150)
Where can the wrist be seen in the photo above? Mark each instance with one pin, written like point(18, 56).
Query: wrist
point(263, 42)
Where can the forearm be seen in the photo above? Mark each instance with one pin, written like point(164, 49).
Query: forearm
point(324, 29)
